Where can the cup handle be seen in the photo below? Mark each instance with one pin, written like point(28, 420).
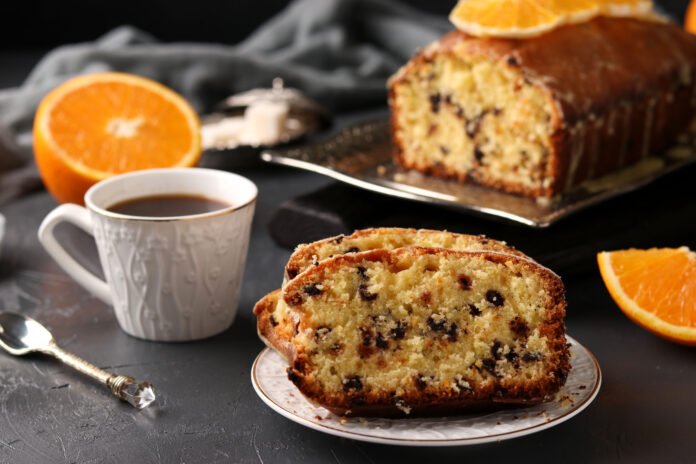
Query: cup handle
point(80, 217)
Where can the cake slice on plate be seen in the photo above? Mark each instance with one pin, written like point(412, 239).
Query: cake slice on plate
point(426, 331)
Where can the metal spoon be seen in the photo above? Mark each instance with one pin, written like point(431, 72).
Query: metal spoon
point(20, 335)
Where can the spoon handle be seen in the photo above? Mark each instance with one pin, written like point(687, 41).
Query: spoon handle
point(138, 394)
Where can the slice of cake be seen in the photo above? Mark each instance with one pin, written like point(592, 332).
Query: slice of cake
point(426, 330)
point(540, 116)
point(276, 324)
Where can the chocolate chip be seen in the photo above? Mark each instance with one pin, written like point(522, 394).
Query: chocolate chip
point(530, 357)
point(478, 154)
point(366, 334)
point(512, 356)
point(294, 299)
point(444, 150)
point(381, 342)
point(473, 310)
point(519, 327)
point(292, 273)
point(351, 250)
point(354, 382)
point(464, 282)
point(370, 338)
point(365, 294)
point(497, 349)
point(489, 365)
point(495, 298)
point(436, 325)
point(421, 382)
point(512, 61)
point(362, 272)
point(313, 290)
point(399, 332)
point(273, 321)
point(473, 126)
point(448, 99)
point(452, 333)
point(292, 376)
point(435, 100)
point(459, 112)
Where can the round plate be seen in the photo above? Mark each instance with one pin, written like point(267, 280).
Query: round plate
point(269, 377)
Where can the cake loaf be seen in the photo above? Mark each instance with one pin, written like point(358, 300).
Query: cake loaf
point(427, 331)
point(540, 116)
point(276, 324)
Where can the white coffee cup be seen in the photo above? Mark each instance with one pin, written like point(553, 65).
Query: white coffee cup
point(168, 278)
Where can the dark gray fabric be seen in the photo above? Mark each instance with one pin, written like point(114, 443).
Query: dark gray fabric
point(340, 52)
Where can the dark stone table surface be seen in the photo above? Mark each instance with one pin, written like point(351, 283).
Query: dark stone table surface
point(207, 410)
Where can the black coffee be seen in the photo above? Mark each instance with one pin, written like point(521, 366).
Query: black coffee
point(168, 205)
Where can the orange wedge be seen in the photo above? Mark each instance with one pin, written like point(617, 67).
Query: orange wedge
point(529, 18)
point(94, 126)
point(655, 288)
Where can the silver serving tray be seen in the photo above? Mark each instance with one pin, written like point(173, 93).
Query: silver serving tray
point(361, 155)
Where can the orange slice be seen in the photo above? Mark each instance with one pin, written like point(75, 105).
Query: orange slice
point(655, 288)
point(690, 21)
point(94, 126)
point(505, 18)
point(529, 18)
point(626, 7)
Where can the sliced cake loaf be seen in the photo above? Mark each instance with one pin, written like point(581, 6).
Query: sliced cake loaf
point(277, 324)
point(426, 330)
point(541, 116)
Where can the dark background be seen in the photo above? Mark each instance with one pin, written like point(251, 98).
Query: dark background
point(40, 24)
point(207, 411)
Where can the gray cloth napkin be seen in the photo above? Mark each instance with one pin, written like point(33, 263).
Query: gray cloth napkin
point(339, 52)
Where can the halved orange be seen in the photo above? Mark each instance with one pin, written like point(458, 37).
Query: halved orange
point(94, 126)
point(529, 18)
point(655, 288)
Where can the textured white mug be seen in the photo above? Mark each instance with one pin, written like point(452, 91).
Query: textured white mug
point(168, 278)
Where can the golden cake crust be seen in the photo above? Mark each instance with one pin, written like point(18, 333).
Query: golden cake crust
point(275, 334)
point(432, 400)
point(306, 255)
point(620, 89)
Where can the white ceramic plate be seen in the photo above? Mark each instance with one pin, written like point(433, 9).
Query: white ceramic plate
point(269, 377)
